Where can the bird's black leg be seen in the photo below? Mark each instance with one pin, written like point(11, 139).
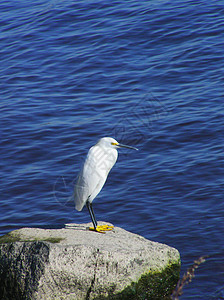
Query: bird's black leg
point(91, 212)
point(91, 207)
point(100, 228)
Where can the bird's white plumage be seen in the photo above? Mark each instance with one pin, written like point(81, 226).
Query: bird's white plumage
point(99, 161)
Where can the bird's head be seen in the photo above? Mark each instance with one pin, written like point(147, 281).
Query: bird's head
point(112, 143)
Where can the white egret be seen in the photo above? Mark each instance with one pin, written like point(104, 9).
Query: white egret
point(99, 161)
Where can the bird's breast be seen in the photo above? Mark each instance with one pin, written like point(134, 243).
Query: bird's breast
point(102, 160)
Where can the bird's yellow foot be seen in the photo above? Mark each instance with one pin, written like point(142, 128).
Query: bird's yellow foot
point(102, 228)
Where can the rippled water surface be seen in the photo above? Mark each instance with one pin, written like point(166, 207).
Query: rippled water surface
point(149, 74)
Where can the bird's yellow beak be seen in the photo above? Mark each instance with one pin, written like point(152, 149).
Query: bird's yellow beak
point(123, 146)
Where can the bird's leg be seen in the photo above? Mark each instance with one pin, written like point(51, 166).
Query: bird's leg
point(91, 212)
point(98, 228)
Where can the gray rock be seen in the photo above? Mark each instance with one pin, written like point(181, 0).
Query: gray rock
point(75, 263)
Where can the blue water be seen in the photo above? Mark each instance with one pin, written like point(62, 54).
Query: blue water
point(148, 73)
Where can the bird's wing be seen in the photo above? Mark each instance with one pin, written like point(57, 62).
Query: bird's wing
point(90, 180)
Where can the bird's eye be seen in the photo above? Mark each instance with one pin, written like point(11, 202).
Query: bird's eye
point(114, 144)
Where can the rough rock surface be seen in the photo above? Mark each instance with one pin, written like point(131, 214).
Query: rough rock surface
point(75, 263)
